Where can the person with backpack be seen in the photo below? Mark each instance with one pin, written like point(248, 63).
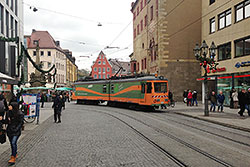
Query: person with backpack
point(14, 121)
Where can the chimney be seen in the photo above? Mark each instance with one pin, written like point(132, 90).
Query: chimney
point(58, 43)
point(33, 30)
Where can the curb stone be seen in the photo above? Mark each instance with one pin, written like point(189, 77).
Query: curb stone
point(215, 122)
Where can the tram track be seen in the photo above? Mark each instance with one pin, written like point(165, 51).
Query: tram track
point(174, 138)
point(202, 130)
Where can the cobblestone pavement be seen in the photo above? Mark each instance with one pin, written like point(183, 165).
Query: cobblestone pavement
point(86, 138)
point(104, 136)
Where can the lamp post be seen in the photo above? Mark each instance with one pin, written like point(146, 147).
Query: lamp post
point(207, 62)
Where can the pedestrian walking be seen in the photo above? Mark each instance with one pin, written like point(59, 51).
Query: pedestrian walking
point(3, 104)
point(185, 94)
point(231, 98)
point(63, 100)
point(194, 95)
point(248, 101)
point(235, 99)
point(221, 99)
point(189, 98)
point(242, 101)
point(14, 120)
point(42, 99)
point(57, 105)
point(67, 97)
point(213, 100)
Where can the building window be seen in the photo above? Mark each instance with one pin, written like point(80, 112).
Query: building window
point(7, 23)
point(49, 64)
point(99, 69)
point(224, 51)
point(16, 28)
point(141, 5)
point(142, 64)
point(134, 15)
point(16, 8)
point(242, 11)
point(146, 20)
point(152, 12)
point(104, 62)
point(142, 45)
point(138, 11)
point(138, 31)
point(34, 53)
point(100, 76)
point(242, 47)
point(42, 53)
point(145, 63)
point(95, 76)
point(99, 62)
point(49, 53)
point(12, 5)
point(145, 2)
point(104, 77)
point(134, 33)
point(141, 25)
point(212, 25)
point(1, 19)
point(103, 70)
point(211, 2)
point(12, 26)
point(95, 69)
point(108, 76)
point(225, 19)
point(108, 69)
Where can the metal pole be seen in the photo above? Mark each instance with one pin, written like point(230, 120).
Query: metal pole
point(206, 111)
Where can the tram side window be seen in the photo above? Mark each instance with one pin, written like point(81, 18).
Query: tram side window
point(143, 88)
point(112, 88)
point(160, 87)
point(104, 88)
point(149, 87)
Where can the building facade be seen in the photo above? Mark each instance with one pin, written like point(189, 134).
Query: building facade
point(50, 54)
point(72, 69)
point(165, 33)
point(117, 65)
point(227, 23)
point(101, 69)
point(11, 26)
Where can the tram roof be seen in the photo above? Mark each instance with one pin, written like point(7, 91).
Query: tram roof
point(134, 79)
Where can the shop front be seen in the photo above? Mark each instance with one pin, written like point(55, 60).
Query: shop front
point(6, 85)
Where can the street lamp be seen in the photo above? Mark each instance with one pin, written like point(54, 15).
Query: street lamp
point(200, 54)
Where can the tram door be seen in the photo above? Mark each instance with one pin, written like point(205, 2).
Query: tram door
point(146, 92)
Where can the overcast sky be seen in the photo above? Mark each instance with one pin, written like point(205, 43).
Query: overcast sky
point(75, 21)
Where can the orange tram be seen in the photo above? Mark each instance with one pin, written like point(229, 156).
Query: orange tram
point(137, 92)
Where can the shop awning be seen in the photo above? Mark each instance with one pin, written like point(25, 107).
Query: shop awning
point(5, 79)
point(64, 89)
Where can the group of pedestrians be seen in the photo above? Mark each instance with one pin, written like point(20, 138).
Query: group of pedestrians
point(217, 99)
point(190, 97)
point(12, 117)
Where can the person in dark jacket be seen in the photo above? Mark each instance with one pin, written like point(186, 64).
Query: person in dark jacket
point(42, 99)
point(57, 105)
point(213, 100)
point(221, 99)
point(248, 101)
point(4, 103)
point(185, 94)
point(14, 120)
point(194, 98)
point(242, 96)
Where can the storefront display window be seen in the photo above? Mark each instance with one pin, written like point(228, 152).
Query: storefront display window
point(224, 83)
point(242, 81)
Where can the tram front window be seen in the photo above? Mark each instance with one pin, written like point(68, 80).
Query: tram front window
point(160, 87)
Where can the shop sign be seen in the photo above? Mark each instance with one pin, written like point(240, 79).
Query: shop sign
point(242, 64)
point(216, 70)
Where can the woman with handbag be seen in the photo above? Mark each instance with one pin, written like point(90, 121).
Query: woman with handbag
point(14, 121)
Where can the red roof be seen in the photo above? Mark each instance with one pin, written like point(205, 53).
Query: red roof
point(46, 41)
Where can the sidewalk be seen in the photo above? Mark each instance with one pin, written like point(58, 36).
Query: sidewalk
point(229, 117)
point(45, 113)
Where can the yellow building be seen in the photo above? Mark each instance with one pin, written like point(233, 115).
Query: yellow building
point(227, 23)
point(72, 69)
